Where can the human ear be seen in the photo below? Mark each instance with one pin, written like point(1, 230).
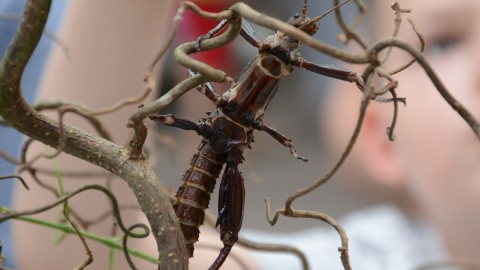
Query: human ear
point(377, 154)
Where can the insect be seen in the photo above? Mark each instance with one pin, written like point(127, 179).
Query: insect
point(228, 129)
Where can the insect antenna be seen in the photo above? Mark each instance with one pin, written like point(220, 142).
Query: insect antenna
point(304, 10)
point(316, 19)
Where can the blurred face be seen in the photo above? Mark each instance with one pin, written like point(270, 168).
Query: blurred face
point(438, 151)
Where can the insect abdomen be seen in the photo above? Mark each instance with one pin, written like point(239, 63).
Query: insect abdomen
point(193, 195)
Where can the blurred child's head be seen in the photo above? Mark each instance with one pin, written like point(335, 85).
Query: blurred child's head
point(435, 159)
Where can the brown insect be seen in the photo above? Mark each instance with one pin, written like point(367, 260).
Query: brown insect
point(227, 131)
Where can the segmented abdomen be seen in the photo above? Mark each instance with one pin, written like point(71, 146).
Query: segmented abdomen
point(193, 195)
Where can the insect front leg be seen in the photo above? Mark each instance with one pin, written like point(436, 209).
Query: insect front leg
point(259, 125)
point(201, 128)
point(330, 71)
point(231, 201)
point(338, 73)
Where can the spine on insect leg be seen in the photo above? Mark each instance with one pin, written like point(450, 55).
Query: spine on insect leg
point(193, 195)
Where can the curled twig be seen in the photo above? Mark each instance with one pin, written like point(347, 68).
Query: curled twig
point(165, 100)
point(232, 256)
point(43, 184)
point(49, 34)
point(290, 212)
point(64, 106)
point(210, 219)
point(422, 48)
point(2, 258)
point(89, 259)
point(390, 87)
point(349, 33)
point(23, 158)
point(391, 128)
point(124, 242)
point(181, 54)
point(116, 212)
point(9, 158)
point(453, 102)
point(108, 193)
point(295, 213)
point(398, 22)
point(111, 242)
point(78, 109)
point(275, 248)
point(365, 99)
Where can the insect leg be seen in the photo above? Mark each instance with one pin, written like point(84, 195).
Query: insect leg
point(259, 125)
point(210, 34)
point(338, 73)
point(230, 215)
point(209, 91)
point(330, 71)
point(249, 35)
point(201, 128)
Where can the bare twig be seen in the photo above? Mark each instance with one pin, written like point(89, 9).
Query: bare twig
point(108, 193)
point(349, 33)
point(9, 158)
point(168, 42)
point(167, 99)
point(422, 48)
point(452, 101)
point(124, 242)
point(49, 34)
point(390, 87)
point(5, 177)
point(67, 229)
point(366, 97)
point(79, 109)
point(210, 219)
point(290, 212)
point(89, 259)
point(398, 22)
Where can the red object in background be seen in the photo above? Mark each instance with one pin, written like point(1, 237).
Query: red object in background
point(193, 26)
